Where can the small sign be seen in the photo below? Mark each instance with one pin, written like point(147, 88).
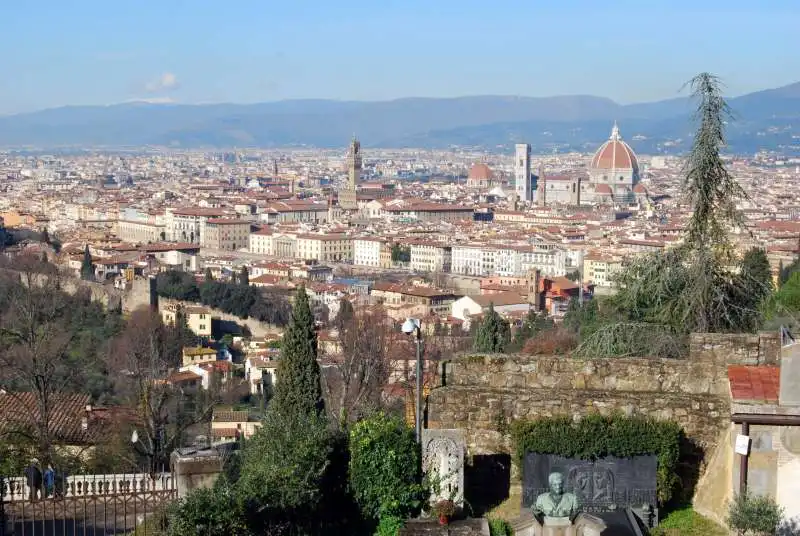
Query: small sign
point(742, 445)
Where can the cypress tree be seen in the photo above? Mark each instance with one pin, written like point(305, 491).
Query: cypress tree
point(209, 276)
point(45, 236)
point(297, 389)
point(244, 277)
point(493, 333)
point(87, 268)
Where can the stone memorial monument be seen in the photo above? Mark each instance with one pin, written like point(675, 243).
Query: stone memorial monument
point(443, 461)
point(573, 497)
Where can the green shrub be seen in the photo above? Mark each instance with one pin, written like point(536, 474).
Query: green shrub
point(500, 527)
point(214, 512)
point(597, 436)
point(751, 515)
point(285, 463)
point(389, 526)
point(385, 475)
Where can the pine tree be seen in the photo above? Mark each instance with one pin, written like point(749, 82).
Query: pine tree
point(45, 236)
point(297, 389)
point(244, 277)
point(87, 268)
point(493, 333)
point(208, 275)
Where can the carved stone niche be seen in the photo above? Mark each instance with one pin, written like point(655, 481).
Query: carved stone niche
point(443, 461)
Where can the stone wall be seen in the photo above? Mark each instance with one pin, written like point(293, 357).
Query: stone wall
point(256, 327)
point(484, 393)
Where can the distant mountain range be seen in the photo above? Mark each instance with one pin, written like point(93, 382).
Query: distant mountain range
point(767, 119)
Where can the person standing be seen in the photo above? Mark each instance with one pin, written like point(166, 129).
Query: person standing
point(49, 481)
point(33, 477)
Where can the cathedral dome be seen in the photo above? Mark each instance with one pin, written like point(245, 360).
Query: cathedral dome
point(615, 154)
point(480, 172)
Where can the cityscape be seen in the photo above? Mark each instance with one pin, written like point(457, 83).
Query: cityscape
point(549, 316)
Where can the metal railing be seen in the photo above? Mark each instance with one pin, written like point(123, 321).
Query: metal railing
point(87, 505)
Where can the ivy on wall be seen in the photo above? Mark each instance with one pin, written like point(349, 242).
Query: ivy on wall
point(597, 436)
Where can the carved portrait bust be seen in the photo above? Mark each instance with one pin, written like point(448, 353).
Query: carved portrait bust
point(557, 503)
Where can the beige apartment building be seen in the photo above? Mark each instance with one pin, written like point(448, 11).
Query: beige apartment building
point(261, 242)
point(228, 234)
point(600, 269)
point(324, 247)
point(198, 355)
point(431, 257)
point(197, 318)
point(188, 224)
point(229, 425)
point(140, 232)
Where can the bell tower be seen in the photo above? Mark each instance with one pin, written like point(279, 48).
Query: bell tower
point(354, 164)
point(347, 195)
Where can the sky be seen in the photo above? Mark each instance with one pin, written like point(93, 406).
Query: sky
point(77, 52)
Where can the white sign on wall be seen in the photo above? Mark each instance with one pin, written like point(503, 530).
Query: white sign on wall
point(742, 445)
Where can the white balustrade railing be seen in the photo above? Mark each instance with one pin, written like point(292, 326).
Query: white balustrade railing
point(16, 488)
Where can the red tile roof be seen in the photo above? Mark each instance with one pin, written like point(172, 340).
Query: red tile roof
point(754, 384)
point(19, 411)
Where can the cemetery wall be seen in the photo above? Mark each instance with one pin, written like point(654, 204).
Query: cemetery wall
point(484, 393)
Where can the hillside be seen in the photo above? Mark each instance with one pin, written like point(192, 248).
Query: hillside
point(765, 120)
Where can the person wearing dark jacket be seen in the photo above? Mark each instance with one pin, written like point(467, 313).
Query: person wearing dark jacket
point(33, 476)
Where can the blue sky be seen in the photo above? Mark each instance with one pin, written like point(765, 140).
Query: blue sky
point(58, 52)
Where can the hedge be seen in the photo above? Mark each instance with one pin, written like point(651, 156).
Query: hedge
point(597, 436)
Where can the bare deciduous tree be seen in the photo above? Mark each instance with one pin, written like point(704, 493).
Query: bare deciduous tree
point(34, 357)
point(142, 357)
point(357, 372)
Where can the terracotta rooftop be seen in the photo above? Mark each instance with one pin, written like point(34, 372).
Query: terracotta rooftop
point(754, 384)
point(19, 410)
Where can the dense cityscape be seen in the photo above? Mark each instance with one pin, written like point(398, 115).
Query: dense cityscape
point(483, 315)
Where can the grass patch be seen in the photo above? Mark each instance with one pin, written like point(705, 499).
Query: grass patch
point(687, 522)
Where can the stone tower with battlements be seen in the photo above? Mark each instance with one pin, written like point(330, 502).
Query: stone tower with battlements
point(347, 195)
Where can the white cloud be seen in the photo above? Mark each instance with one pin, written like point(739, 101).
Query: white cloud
point(165, 82)
point(153, 100)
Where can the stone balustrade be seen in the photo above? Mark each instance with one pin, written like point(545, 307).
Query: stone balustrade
point(16, 489)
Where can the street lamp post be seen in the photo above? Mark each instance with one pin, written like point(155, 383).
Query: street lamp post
point(412, 326)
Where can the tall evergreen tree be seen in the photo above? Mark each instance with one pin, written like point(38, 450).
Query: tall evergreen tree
point(208, 275)
point(493, 333)
point(298, 389)
point(45, 236)
point(87, 268)
point(691, 287)
point(244, 277)
point(757, 272)
point(752, 289)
